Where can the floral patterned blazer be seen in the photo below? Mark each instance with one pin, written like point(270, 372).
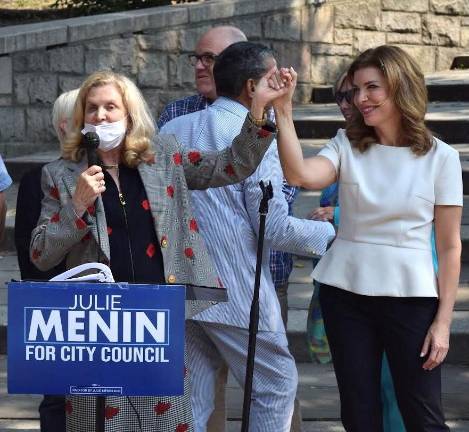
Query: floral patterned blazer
point(167, 179)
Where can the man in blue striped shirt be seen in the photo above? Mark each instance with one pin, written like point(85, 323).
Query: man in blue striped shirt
point(212, 43)
point(228, 220)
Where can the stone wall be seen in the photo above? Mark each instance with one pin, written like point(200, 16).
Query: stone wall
point(318, 37)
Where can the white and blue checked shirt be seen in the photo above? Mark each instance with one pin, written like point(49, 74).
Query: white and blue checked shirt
point(228, 219)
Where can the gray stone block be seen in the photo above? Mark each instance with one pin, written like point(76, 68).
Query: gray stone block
point(331, 49)
point(465, 37)
point(13, 124)
point(303, 93)
point(363, 15)
point(6, 73)
point(39, 125)
point(283, 26)
point(6, 100)
point(153, 100)
point(297, 55)
point(343, 36)
point(252, 27)
point(35, 88)
point(326, 69)
point(423, 55)
point(162, 41)
point(68, 59)
point(152, 70)
point(445, 56)
point(362, 40)
point(450, 7)
point(67, 82)
point(402, 22)
point(29, 61)
point(32, 36)
point(318, 24)
point(99, 26)
point(118, 54)
point(404, 38)
point(188, 37)
point(181, 72)
point(163, 17)
point(406, 5)
point(441, 30)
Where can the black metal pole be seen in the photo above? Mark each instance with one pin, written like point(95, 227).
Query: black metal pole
point(100, 411)
point(267, 194)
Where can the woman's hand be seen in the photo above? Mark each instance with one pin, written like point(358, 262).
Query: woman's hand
point(90, 185)
point(289, 78)
point(436, 345)
point(322, 214)
point(269, 87)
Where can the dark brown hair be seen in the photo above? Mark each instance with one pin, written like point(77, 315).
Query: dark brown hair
point(407, 89)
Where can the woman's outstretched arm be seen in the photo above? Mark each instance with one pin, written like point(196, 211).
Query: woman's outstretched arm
point(311, 173)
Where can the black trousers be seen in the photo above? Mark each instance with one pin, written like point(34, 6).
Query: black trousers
point(359, 328)
point(52, 413)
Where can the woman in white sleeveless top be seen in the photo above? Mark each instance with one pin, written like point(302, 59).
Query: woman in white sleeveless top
point(380, 291)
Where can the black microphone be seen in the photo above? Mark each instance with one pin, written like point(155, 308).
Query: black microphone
point(91, 143)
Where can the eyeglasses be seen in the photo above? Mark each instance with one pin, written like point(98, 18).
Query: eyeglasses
point(206, 59)
point(341, 95)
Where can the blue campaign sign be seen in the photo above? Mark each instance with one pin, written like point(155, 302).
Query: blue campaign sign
point(95, 338)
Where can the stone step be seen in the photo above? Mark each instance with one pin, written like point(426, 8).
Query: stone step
point(443, 86)
point(448, 120)
point(317, 394)
point(17, 166)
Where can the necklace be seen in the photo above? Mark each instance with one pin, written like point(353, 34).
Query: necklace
point(108, 167)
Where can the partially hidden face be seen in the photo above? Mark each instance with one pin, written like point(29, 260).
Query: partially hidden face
point(104, 104)
point(344, 98)
point(210, 45)
point(372, 98)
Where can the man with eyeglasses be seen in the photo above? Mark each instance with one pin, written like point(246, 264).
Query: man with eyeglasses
point(211, 43)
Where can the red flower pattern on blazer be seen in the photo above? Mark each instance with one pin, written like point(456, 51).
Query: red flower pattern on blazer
point(86, 237)
point(151, 249)
point(189, 252)
point(54, 193)
point(161, 407)
point(146, 204)
point(263, 133)
point(182, 427)
point(170, 191)
point(193, 225)
point(80, 223)
point(230, 170)
point(55, 218)
point(110, 412)
point(91, 210)
point(194, 157)
point(68, 407)
point(177, 158)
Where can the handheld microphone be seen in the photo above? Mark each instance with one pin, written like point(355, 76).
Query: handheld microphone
point(90, 144)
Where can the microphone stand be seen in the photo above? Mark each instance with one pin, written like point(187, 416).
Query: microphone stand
point(267, 194)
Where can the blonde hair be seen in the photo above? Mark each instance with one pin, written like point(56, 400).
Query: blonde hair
point(140, 125)
point(63, 111)
point(407, 90)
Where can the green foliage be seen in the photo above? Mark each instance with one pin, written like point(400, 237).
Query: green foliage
point(90, 7)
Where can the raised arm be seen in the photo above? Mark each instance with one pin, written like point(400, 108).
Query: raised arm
point(311, 173)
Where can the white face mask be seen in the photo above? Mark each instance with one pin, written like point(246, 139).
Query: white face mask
point(110, 134)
